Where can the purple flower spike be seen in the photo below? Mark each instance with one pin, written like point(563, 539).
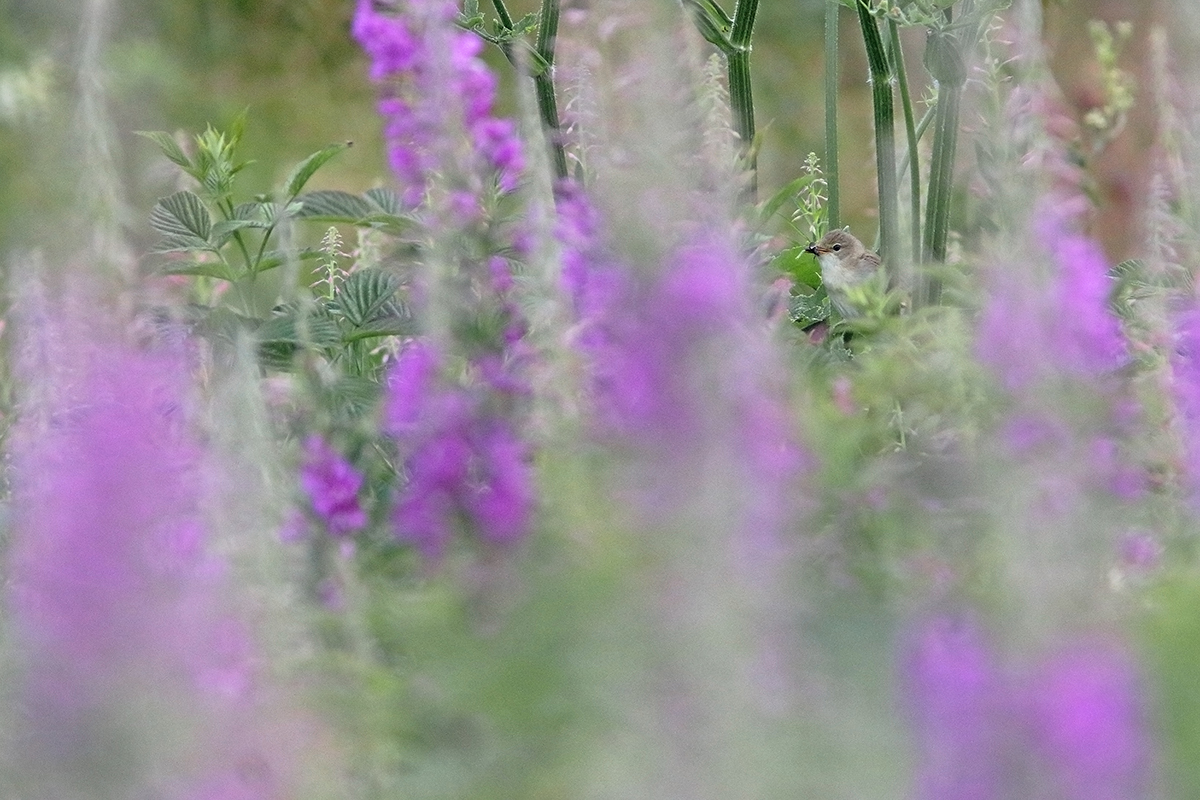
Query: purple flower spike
point(502, 504)
point(437, 91)
point(332, 485)
point(438, 472)
point(1029, 332)
point(1090, 717)
point(955, 696)
point(410, 383)
point(1185, 367)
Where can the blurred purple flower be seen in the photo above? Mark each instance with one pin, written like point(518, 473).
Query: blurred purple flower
point(671, 359)
point(332, 485)
point(1030, 331)
point(1088, 333)
point(462, 459)
point(1090, 718)
point(1075, 727)
point(438, 91)
point(117, 604)
point(1140, 550)
point(502, 499)
point(1185, 368)
point(409, 388)
point(955, 695)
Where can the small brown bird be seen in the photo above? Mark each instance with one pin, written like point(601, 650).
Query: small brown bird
point(845, 263)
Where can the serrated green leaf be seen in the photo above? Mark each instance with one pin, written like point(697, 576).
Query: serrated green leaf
point(808, 309)
point(195, 269)
point(353, 395)
point(363, 296)
point(182, 244)
point(169, 147)
point(274, 258)
point(182, 216)
point(307, 168)
point(280, 356)
point(237, 127)
point(317, 329)
point(385, 200)
point(333, 206)
point(398, 324)
point(798, 265)
point(527, 24)
point(223, 229)
point(251, 211)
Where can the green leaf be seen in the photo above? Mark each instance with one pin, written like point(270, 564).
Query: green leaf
point(182, 217)
point(253, 212)
point(169, 147)
point(223, 229)
point(526, 24)
point(399, 322)
point(710, 24)
point(354, 395)
point(274, 258)
point(197, 269)
point(333, 206)
point(769, 208)
point(364, 295)
point(237, 127)
point(809, 308)
point(318, 329)
point(278, 355)
point(798, 265)
point(385, 200)
point(306, 168)
point(388, 213)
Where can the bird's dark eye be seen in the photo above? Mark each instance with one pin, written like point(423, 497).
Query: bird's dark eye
point(837, 247)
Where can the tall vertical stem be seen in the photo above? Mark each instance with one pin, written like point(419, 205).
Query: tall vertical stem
point(544, 83)
point(910, 130)
point(741, 97)
point(885, 137)
point(944, 59)
point(833, 207)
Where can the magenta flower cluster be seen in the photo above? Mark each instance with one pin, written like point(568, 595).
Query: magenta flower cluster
point(658, 348)
point(1032, 328)
point(673, 361)
point(1074, 725)
point(332, 484)
point(117, 604)
point(1185, 368)
point(437, 93)
point(464, 463)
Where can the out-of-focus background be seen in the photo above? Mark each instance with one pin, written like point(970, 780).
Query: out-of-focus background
point(183, 64)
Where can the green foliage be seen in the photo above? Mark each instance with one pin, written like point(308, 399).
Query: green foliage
point(1106, 121)
point(206, 234)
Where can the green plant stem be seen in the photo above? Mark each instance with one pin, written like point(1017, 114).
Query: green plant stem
point(922, 126)
point(741, 97)
point(941, 173)
point(227, 212)
point(944, 58)
point(833, 206)
point(911, 135)
point(506, 20)
point(885, 137)
point(544, 83)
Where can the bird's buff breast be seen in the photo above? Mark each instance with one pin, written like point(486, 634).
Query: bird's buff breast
point(833, 274)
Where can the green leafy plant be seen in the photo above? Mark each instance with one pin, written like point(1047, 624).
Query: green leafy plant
point(229, 245)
